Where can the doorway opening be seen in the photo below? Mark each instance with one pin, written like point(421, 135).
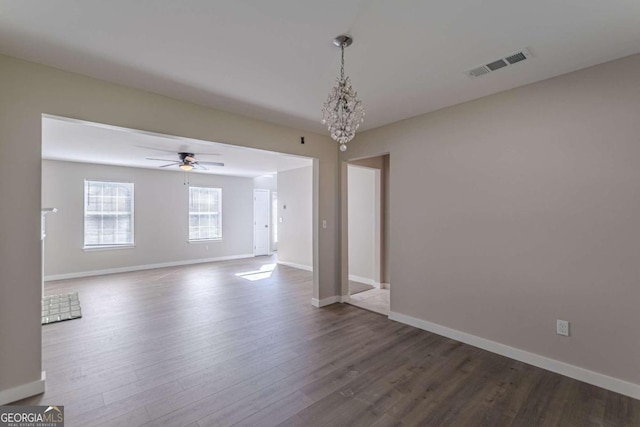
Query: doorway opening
point(367, 224)
point(193, 203)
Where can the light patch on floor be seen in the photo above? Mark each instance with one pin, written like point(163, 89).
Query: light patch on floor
point(376, 300)
point(263, 273)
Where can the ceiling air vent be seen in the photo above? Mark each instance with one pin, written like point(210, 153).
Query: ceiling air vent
point(496, 65)
point(499, 63)
point(516, 58)
point(476, 72)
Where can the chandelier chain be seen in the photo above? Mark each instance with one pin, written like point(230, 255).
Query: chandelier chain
point(342, 63)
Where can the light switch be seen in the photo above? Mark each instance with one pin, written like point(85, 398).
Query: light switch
point(324, 223)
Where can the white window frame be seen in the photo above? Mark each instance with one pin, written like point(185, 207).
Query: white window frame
point(107, 246)
point(219, 213)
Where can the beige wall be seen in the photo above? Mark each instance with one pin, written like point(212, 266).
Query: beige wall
point(161, 222)
point(27, 91)
point(521, 208)
point(295, 230)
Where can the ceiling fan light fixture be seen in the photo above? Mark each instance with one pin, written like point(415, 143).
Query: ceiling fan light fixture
point(186, 167)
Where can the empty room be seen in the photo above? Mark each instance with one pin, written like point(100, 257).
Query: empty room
point(306, 213)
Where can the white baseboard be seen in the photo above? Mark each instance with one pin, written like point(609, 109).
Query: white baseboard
point(325, 301)
point(385, 285)
point(296, 265)
point(364, 280)
point(581, 374)
point(142, 267)
point(23, 391)
point(328, 301)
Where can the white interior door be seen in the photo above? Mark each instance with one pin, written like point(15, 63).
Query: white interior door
point(261, 222)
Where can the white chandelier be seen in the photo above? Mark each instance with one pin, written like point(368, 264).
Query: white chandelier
point(343, 111)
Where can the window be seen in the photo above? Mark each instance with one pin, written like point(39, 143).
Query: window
point(205, 213)
point(108, 214)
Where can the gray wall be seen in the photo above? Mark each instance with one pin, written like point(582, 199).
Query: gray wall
point(28, 90)
point(364, 226)
point(266, 183)
point(160, 217)
point(295, 230)
point(521, 208)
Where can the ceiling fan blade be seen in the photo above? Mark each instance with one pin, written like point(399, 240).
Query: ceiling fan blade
point(199, 166)
point(211, 163)
point(207, 154)
point(161, 160)
point(170, 164)
point(156, 149)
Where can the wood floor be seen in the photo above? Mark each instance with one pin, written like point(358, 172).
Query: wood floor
point(357, 287)
point(204, 345)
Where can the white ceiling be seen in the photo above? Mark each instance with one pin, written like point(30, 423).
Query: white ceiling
point(76, 141)
point(274, 59)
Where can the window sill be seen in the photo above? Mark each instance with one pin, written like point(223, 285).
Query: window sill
point(107, 248)
point(191, 242)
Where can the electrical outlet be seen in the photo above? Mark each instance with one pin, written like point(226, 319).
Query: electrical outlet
point(562, 328)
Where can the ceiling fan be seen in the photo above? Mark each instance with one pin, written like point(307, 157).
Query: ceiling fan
point(186, 162)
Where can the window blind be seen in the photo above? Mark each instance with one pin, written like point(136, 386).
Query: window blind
point(205, 213)
point(108, 214)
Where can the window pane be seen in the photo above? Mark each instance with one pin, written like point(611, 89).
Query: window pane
point(108, 215)
point(205, 219)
